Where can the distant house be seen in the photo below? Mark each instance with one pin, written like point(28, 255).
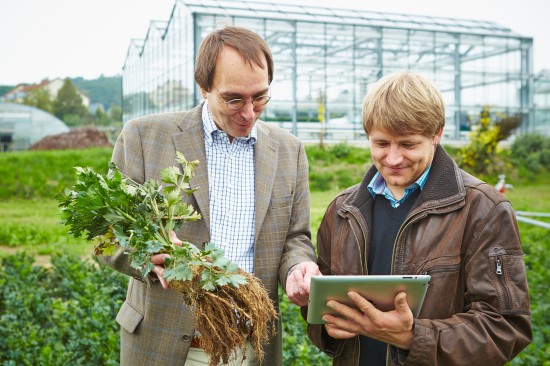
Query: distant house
point(17, 94)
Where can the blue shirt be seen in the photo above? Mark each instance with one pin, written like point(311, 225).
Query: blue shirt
point(378, 186)
point(231, 190)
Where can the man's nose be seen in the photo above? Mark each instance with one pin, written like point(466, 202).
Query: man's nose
point(247, 111)
point(394, 156)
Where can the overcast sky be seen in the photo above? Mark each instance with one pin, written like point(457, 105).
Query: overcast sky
point(68, 38)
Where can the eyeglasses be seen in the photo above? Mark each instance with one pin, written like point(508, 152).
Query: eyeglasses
point(238, 103)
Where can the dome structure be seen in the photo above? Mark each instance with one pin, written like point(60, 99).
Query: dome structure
point(22, 125)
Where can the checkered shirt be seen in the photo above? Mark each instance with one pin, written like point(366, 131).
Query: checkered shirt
point(231, 186)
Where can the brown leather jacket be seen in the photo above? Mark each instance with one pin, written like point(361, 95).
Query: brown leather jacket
point(464, 234)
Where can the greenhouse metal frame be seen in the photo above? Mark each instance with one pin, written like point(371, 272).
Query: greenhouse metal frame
point(326, 60)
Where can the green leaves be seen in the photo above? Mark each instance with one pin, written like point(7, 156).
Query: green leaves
point(114, 211)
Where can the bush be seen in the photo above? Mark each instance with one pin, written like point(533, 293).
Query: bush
point(341, 151)
point(320, 181)
point(63, 315)
point(532, 151)
point(336, 167)
point(481, 155)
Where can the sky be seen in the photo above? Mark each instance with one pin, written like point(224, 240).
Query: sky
point(42, 39)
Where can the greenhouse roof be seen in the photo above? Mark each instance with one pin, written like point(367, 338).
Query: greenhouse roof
point(318, 14)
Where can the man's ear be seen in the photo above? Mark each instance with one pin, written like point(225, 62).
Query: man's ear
point(437, 137)
point(204, 93)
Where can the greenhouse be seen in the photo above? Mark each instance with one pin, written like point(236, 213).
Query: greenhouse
point(326, 59)
point(22, 125)
point(542, 102)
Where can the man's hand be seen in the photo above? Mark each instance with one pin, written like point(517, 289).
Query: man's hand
point(159, 259)
point(299, 280)
point(394, 327)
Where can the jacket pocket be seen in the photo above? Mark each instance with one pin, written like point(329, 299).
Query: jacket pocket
point(128, 317)
point(281, 202)
point(508, 274)
point(444, 297)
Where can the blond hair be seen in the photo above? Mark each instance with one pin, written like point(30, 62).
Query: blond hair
point(246, 42)
point(404, 103)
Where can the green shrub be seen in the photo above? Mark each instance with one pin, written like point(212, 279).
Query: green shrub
point(336, 167)
point(320, 181)
point(341, 151)
point(481, 156)
point(63, 315)
point(532, 151)
point(345, 179)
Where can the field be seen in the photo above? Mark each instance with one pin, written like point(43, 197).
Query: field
point(45, 302)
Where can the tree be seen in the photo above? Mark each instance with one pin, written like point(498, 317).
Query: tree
point(479, 155)
point(41, 99)
point(116, 113)
point(101, 118)
point(69, 102)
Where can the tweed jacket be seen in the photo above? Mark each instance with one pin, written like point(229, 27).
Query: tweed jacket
point(463, 233)
point(156, 325)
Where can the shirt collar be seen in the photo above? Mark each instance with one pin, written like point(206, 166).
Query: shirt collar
point(211, 130)
point(377, 184)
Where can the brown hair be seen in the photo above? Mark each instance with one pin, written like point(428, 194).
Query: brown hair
point(248, 43)
point(404, 103)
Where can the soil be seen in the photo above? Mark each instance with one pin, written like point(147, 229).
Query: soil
point(78, 138)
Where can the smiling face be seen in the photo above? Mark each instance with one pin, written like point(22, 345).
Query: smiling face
point(401, 160)
point(234, 78)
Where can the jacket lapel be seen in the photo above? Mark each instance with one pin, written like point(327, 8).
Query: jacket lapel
point(190, 142)
point(266, 160)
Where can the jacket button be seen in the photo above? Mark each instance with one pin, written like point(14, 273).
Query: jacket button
point(186, 338)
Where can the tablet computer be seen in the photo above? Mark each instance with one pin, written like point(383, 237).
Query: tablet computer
point(379, 290)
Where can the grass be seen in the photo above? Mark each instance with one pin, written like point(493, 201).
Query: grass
point(32, 225)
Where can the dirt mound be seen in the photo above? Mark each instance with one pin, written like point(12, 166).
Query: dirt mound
point(78, 138)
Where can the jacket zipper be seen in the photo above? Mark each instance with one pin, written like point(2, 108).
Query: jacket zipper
point(398, 236)
point(363, 261)
point(500, 275)
point(364, 255)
